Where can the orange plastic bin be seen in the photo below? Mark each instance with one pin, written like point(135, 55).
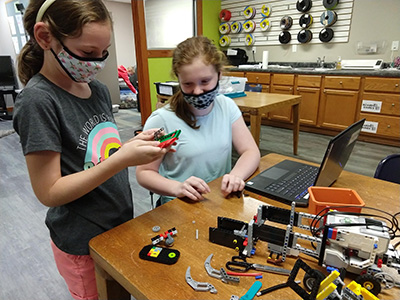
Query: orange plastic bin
point(321, 197)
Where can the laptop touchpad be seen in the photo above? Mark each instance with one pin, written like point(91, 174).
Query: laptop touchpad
point(274, 173)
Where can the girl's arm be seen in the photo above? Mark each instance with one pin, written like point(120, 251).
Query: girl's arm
point(148, 177)
point(52, 189)
point(249, 158)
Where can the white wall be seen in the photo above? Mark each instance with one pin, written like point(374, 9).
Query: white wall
point(123, 32)
point(109, 75)
point(371, 21)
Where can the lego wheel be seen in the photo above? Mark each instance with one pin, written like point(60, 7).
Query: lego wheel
point(309, 280)
point(370, 283)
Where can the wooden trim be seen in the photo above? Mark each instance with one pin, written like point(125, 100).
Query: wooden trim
point(199, 17)
point(160, 53)
point(143, 54)
point(138, 17)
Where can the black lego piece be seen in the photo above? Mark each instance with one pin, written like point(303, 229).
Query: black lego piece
point(297, 288)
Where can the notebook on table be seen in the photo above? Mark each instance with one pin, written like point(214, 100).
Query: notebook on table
point(289, 181)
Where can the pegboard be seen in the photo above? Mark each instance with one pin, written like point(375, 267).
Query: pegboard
point(281, 8)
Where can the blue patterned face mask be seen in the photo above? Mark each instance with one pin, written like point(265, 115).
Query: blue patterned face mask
point(203, 100)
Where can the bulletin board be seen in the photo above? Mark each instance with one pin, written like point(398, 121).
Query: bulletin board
point(15, 22)
point(278, 9)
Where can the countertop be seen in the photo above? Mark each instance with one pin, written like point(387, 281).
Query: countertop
point(313, 70)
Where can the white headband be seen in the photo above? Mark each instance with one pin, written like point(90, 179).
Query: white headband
point(43, 9)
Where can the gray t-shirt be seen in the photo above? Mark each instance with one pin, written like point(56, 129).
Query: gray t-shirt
point(47, 117)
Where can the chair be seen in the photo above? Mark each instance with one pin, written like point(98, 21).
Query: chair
point(389, 168)
point(253, 87)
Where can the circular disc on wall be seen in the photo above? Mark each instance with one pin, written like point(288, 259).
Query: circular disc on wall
point(224, 41)
point(265, 24)
point(249, 12)
point(265, 10)
point(326, 35)
point(328, 18)
point(305, 20)
point(304, 36)
point(249, 26)
point(236, 27)
point(285, 37)
point(330, 4)
point(249, 40)
point(224, 28)
point(286, 22)
point(225, 15)
point(304, 5)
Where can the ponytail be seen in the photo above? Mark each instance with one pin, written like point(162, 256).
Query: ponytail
point(29, 61)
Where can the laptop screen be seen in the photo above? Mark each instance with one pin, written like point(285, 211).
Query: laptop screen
point(337, 154)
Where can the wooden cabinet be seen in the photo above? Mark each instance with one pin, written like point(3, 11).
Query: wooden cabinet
point(339, 102)
point(380, 106)
point(259, 78)
point(235, 74)
point(309, 87)
point(282, 84)
point(332, 103)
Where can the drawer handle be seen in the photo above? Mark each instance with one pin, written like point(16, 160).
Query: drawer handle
point(393, 104)
point(341, 82)
point(397, 85)
point(388, 126)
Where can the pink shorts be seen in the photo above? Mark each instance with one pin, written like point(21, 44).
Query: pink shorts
point(78, 273)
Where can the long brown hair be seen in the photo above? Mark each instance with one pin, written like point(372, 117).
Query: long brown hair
point(184, 54)
point(65, 18)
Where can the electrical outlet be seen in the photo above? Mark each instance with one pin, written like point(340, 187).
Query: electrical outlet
point(395, 45)
point(254, 49)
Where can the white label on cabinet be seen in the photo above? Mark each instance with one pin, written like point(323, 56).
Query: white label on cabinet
point(371, 106)
point(371, 127)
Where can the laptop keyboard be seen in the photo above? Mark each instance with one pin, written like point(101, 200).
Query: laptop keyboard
point(295, 185)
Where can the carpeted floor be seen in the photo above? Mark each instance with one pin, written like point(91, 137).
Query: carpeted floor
point(6, 128)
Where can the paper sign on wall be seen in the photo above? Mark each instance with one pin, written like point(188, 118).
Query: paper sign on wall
point(371, 106)
point(371, 127)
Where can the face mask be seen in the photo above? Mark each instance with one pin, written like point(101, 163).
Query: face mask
point(80, 69)
point(201, 101)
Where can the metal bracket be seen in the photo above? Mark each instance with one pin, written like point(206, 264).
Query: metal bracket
point(199, 286)
point(220, 274)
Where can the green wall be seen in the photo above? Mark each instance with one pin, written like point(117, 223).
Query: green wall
point(211, 9)
point(159, 71)
point(160, 68)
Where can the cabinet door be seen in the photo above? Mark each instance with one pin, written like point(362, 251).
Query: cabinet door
point(338, 109)
point(283, 114)
point(309, 105)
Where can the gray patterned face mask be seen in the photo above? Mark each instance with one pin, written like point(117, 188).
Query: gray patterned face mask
point(201, 101)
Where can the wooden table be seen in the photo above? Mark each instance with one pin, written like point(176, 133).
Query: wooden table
point(258, 104)
point(120, 272)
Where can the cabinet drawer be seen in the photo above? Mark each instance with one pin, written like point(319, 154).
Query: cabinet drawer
point(385, 125)
point(254, 77)
point(390, 104)
point(342, 83)
point(309, 81)
point(382, 84)
point(235, 74)
point(283, 79)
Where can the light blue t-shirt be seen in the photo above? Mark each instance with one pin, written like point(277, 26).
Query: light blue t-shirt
point(204, 152)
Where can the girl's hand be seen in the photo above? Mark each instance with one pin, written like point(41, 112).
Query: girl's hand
point(147, 135)
point(139, 151)
point(231, 183)
point(193, 188)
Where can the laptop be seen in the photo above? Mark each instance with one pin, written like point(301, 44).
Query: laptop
point(289, 181)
